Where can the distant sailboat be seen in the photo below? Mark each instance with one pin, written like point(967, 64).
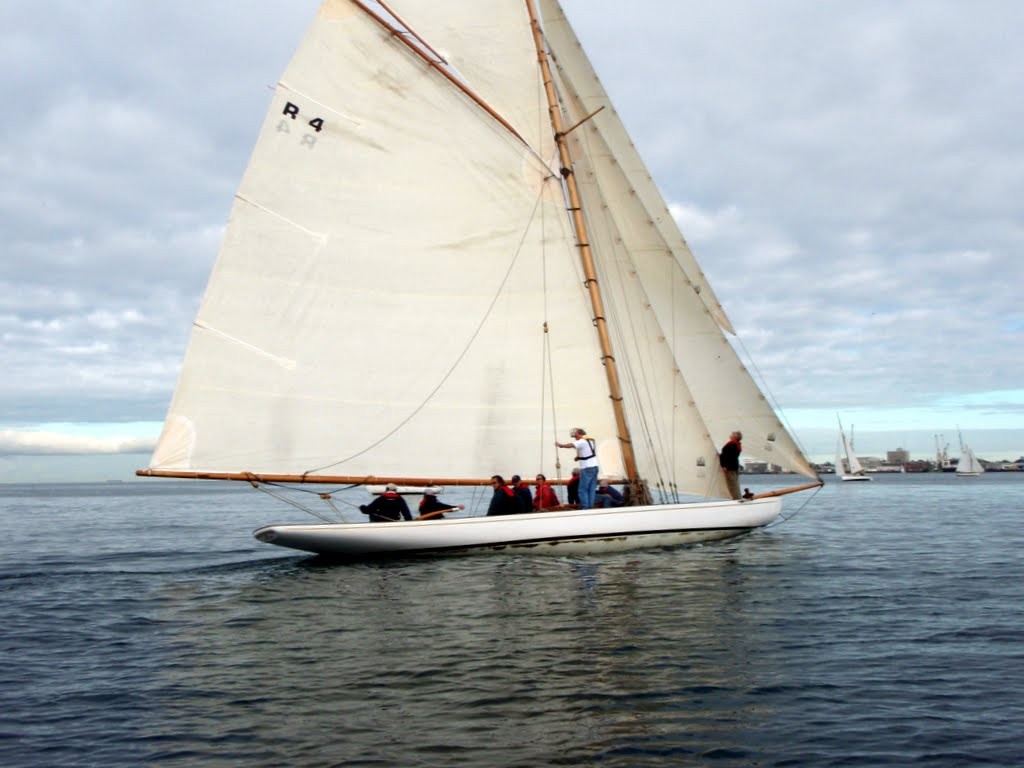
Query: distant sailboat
point(847, 466)
point(438, 263)
point(968, 466)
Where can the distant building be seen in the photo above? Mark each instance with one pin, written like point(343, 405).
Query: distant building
point(899, 456)
point(760, 468)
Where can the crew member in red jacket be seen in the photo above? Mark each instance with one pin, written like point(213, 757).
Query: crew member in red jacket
point(544, 497)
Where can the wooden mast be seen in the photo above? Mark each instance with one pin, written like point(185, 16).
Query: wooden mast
point(587, 259)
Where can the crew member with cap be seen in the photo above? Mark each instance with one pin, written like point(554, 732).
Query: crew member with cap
point(522, 490)
point(389, 507)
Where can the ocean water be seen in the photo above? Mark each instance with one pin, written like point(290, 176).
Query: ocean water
point(880, 625)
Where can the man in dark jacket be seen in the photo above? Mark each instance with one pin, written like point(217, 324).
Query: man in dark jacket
point(607, 496)
point(729, 460)
point(389, 507)
point(523, 492)
point(504, 501)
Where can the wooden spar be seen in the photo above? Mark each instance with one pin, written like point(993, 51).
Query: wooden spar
point(587, 259)
point(439, 65)
point(784, 491)
point(412, 31)
point(261, 477)
point(252, 477)
point(436, 513)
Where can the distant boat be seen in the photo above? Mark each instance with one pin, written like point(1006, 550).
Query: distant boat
point(847, 466)
point(968, 466)
point(942, 462)
point(430, 262)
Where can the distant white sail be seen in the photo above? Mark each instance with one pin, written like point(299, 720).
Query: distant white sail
point(968, 466)
point(848, 467)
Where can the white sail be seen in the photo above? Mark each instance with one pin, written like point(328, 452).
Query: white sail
point(399, 291)
point(968, 466)
point(379, 300)
point(848, 467)
point(856, 468)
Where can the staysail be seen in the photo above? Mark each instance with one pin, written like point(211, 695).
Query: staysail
point(399, 292)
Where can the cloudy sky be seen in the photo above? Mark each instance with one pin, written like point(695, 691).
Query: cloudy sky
point(850, 175)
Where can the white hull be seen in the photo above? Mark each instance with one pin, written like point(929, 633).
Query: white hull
point(568, 532)
point(968, 474)
point(852, 478)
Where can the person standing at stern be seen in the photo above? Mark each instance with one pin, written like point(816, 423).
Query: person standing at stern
point(729, 460)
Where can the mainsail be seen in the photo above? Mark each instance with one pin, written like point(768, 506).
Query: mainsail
point(399, 291)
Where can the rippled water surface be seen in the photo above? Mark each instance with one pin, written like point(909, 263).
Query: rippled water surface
point(881, 625)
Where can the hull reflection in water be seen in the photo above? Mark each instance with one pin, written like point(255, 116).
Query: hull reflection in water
point(568, 532)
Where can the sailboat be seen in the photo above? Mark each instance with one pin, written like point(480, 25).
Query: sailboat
point(848, 467)
point(968, 466)
point(444, 253)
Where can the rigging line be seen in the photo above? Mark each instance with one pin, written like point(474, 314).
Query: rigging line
point(286, 500)
point(771, 396)
point(297, 489)
point(547, 364)
point(544, 347)
point(642, 395)
point(608, 219)
point(796, 511)
point(465, 349)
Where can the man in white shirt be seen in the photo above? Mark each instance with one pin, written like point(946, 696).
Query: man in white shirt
point(586, 455)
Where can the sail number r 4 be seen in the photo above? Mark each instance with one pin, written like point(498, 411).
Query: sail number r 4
point(292, 111)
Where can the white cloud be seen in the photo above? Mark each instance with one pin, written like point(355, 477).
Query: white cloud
point(701, 225)
point(34, 443)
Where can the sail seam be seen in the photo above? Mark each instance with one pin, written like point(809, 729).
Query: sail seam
point(284, 362)
point(306, 97)
point(317, 235)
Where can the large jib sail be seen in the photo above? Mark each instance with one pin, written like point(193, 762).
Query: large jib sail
point(399, 292)
point(694, 402)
